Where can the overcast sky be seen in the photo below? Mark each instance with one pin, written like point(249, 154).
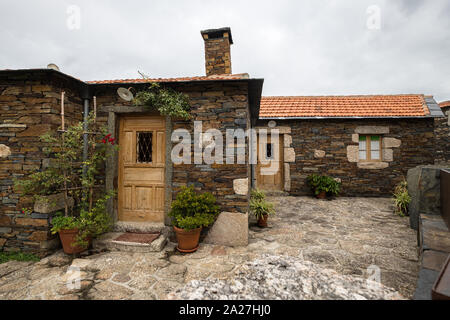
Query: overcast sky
point(316, 47)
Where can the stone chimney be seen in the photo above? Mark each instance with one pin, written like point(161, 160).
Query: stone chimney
point(217, 51)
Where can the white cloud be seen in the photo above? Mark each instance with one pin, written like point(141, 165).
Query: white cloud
point(314, 47)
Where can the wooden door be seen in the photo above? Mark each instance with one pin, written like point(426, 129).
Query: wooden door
point(142, 149)
point(269, 170)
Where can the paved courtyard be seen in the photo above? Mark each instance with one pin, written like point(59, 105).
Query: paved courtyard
point(346, 235)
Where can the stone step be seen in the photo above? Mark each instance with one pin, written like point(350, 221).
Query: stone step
point(139, 227)
point(107, 242)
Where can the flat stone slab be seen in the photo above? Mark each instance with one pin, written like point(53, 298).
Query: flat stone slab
point(425, 283)
point(109, 241)
point(434, 260)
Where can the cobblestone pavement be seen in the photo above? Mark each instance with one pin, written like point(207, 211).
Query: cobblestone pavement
point(346, 235)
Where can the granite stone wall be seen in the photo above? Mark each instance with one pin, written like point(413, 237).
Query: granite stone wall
point(322, 147)
point(28, 109)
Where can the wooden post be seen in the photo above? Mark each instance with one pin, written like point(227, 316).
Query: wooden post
point(66, 201)
point(62, 111)
point(91, 189)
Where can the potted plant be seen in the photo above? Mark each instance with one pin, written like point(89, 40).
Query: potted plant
point(76, 232)
point(260, 207)
point(323, 186)
point(73, 184)
point(191, 212)
point(402, 198)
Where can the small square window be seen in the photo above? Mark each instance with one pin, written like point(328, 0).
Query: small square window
point(144, 147)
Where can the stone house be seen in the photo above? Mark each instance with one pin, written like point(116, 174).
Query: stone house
point(369, 142)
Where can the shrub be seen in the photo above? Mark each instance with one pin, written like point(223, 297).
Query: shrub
point(191, 210)
point(258, 204)
point(166, 100)
point(401, 198)
point(90, 223)
point(76, 177)
point(326, 184)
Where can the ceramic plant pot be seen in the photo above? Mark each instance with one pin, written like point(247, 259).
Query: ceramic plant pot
point(187, 239)
point(68, 238)
point(322, 195)
point(262, 221)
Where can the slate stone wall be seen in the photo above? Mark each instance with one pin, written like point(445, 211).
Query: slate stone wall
point(442, 132)
point(334, 136)
point(28, 109)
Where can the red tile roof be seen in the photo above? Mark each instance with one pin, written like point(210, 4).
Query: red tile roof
point(444, 104)
point(182, 79)
point(410, 105)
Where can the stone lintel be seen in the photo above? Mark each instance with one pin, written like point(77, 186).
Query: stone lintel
point(281, 130)
point(372, 130)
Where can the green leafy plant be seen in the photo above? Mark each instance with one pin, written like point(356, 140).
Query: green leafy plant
point(90, 223)
point(319, 184)
point(75, 177)
point(191, 210)
point(258, 204)
point(166, 100)
point(402, 199)
point(17, 256)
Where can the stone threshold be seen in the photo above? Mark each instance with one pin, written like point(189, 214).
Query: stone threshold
point(108, 242)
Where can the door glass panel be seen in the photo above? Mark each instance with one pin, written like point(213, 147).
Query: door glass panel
point(362, 155)
point(375, 155)
point(362, 143)
point(144, 147)
point(375, 143)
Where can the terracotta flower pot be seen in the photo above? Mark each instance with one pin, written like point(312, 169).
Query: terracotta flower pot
point(68, 237)
point(187, 239)
point(262, 221)
point(322, 195)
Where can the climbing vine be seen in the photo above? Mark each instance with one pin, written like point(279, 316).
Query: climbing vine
point(166, 100)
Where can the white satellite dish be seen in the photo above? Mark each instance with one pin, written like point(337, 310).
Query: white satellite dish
point(53, 66)
point(272, 124)
point(125, 94)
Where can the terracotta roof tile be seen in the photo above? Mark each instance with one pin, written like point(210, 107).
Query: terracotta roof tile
point(444, 104)
point(411, 105)
point(182, 79)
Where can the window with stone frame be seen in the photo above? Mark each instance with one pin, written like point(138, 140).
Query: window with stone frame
point(370, 148)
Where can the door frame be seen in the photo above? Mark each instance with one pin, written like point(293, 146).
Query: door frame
point(280, 161)
point(112, 162)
